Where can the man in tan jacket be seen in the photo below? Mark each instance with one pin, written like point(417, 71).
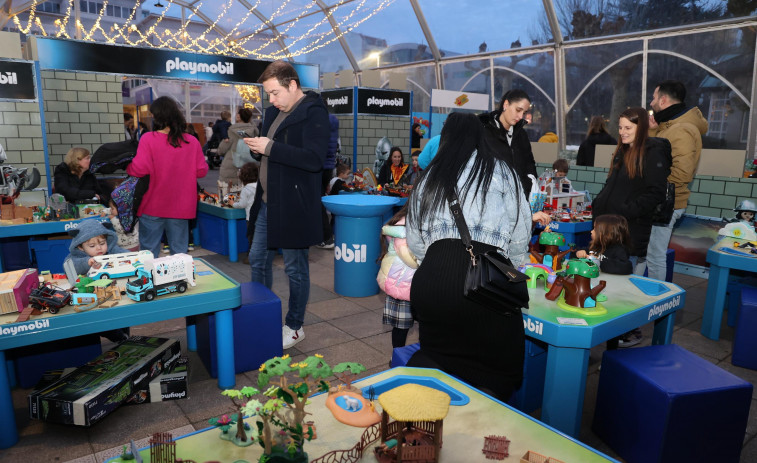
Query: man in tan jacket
point(683, 127)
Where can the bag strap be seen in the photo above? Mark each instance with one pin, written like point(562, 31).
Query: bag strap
point(462, 227)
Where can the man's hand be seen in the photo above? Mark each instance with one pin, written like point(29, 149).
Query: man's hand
point(541, 217)
point(257, 144)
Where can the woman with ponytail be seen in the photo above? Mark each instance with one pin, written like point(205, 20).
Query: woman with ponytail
point(173, 160)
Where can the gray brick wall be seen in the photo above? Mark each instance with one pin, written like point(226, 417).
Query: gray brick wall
point(81, 109)
point(21, 135)
point(371, 129)
point(710, 196)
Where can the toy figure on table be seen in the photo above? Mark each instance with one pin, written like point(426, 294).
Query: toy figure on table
point(745, 213)
point(742, 226)
point(552, 256)
point(577, 292)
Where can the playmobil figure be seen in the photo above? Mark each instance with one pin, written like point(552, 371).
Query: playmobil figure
point(745, 212)
point(578, 290)
point(552, 256)
point(383, 147)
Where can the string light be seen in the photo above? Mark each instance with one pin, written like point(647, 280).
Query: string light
point(249, 93)
point(183, 40)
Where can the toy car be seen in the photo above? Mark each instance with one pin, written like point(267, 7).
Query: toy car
point(49, 297)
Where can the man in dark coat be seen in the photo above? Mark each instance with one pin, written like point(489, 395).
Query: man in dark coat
point(504, 129)
point(286, 212)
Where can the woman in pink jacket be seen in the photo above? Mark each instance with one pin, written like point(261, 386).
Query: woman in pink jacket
point(174, 161)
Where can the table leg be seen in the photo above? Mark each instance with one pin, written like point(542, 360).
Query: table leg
point(225, 349)
point(196, 238)
point(714, 302)
point(191, 334)
point(231, 226)
point(564, 388)
point(9, 436)
point(663, 329)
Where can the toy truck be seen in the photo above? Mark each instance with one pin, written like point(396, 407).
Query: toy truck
point(161, 276)
point(122, 265)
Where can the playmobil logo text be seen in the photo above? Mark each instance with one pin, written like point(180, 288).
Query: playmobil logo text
point(350, 255)
point(381, 102)
point(533, 326)
point(174, 395)
point(337, 101)
point(9, 78)
point(25, 327)
point(660, 309)
point(194, 67)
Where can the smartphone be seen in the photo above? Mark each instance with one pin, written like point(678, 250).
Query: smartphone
point(242, 134)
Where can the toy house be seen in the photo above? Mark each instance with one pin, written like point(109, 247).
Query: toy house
point(15, 288)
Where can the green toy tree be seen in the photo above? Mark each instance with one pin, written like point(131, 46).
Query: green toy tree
point(347, 372)
point(240, 397)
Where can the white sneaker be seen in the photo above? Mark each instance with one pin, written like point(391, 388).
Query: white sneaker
point(291, 337)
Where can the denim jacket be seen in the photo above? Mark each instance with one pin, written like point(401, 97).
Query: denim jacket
point(495, 225)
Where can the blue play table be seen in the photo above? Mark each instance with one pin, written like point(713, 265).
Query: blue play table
point(224, 239)
point(722, 257)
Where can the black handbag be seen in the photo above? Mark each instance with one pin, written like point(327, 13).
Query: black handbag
point(663, 212)
point(491, 279)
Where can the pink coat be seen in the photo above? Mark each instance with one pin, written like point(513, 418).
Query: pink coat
point(173, 175)
point(398, 265)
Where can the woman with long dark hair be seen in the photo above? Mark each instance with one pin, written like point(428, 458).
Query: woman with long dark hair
point(174, 161)
point(637, 179)
point(482, 345)
point(394, 171)
point(596, 135)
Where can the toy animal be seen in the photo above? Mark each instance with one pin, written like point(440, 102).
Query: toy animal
point(352, 403)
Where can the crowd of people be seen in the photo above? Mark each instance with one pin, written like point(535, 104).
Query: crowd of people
point(479, 166)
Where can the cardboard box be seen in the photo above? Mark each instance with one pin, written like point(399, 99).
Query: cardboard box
point(92, 391)
point(173, 385)
point(15, 288)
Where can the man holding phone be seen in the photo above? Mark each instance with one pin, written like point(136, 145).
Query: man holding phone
point(286, 213)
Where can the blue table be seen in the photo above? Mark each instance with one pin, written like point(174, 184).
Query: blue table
point(577, 233)
point(231, 217)
point(721, 262)
point(214, 293)
point(569, 345)
point(40, 228)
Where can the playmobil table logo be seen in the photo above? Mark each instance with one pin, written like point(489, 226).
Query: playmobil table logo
point(174, 395)
point(8, 78)
point(337, 101)
point(350, 255)
point(25, 327)
point(194, 67)
point(535, 327)
point(381, 102)
point(660, 309)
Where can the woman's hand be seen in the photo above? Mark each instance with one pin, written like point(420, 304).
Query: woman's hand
point(581, 254)
point(542, 218)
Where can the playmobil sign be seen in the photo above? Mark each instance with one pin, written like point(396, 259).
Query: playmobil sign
point(17, 80)
point(383, 102)
point(355, 254)
point(659, 309)
point(8, 78)
point(338, 101)
point(25, 327)
point(194, 67)
point(533, 326)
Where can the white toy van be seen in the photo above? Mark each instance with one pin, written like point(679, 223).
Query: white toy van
point(119, 265)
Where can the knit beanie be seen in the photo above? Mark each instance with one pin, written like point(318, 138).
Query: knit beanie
point(89, 229)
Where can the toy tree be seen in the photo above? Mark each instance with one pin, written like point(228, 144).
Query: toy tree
point(552, 256)
point(347, 372)
point(82, 283)
point(240, 397)
point(223, 423)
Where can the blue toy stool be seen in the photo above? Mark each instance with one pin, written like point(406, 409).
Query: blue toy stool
point(400, 355)
point(745, 342)
point(662, 403)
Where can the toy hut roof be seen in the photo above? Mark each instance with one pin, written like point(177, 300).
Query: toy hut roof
point(104, 283)
point(413, 402)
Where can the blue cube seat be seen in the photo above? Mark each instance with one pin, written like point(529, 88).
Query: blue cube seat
point(745, 342)
point(662, 403)
point(400, 355)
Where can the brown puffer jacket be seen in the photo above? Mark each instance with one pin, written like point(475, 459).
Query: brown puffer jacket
point(228, 172)
point(685, 136)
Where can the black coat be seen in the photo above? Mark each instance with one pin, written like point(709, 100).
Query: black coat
point(294, 175)
point(636, 198)
point(615, 260)
point(585, 155)
point(518, 154)
point(75, 188)
point(385, 174)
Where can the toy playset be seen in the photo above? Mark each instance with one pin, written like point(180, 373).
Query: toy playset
point(573, 291)
point(552, 256)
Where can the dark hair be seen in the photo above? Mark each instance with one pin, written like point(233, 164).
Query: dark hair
point(190, 129)
point(561, 165)
point(143, 125)
point(673, 89)
point(342, 168)
point(282, 71)
point(166, 113)
point(597, 125)
point(462, 134)
point(415, 124)
point(249, 173)
point(402, 155)
point(128, 117)
point(245, 114)
point(633, 156)
point(608, 230)
point(512, 96)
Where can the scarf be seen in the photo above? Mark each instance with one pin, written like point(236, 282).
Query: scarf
point(398, 172)
point(671, 112)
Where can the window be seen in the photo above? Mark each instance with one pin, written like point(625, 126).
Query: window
point(117, 11)
point(92, 8)
point(83, 6)
point(109, 10)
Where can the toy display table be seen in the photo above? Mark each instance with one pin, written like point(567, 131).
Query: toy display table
point(465, 427)
point(357, 245)
point(39, 228)
point(722, 257)
point(570, 336)
point(578, 233)
point(214, 293)
point(222, 230)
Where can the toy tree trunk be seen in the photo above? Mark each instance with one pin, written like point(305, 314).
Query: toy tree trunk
point(579, 289)
point(556, 289)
